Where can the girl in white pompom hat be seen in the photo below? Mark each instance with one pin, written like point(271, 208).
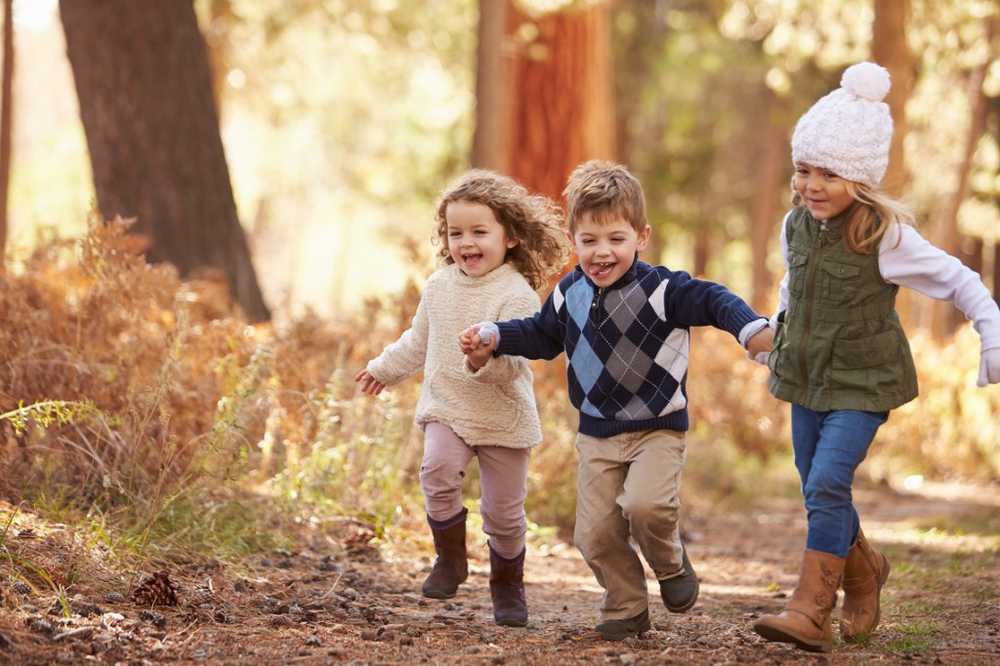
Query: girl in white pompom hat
point(840, 354)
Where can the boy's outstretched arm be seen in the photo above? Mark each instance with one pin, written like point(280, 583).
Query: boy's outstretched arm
point(702, 303)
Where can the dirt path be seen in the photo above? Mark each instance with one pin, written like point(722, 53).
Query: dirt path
point(942, 604)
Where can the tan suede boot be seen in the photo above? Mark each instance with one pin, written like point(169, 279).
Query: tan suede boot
point(806, 619)
point(865, 572)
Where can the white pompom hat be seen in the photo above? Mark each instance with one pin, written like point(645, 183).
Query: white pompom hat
point(849, 131)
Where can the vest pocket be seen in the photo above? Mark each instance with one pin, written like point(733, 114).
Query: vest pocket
point(865, 364)
point(796, 272)
point(840, 281)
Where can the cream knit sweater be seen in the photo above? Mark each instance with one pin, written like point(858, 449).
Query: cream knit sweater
point(496, 405)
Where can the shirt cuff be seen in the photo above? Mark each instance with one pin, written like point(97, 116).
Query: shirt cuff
point(752, 329)
point(489, 329)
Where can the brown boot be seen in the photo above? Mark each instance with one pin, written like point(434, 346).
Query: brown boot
point(451, 567)
point(865, 573)
point(806, 619)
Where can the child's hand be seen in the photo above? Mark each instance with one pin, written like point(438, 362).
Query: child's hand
point(469, 339)
point(761, 343)
point(476, 347)
point(367, 383)
point(989, 367)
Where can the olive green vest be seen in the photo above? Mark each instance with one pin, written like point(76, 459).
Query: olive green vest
point(839, 343)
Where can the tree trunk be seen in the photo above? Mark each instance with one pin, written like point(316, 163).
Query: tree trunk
point(891, 50)
point(945, 317)
point(146, 101)
point(6, 123)
point(770, 173)
point(489, 143)
point(561, 99)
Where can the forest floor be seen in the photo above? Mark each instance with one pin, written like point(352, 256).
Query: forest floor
point(328, 604)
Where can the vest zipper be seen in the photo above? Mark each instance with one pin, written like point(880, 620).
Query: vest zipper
point(808, 298)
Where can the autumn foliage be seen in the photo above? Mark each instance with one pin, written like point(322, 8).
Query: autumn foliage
point(125, 387)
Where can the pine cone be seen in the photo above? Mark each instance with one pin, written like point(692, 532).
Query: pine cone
point(157, 590)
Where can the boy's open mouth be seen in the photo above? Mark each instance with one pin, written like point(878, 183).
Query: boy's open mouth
point(471, 260)
point(601, 269)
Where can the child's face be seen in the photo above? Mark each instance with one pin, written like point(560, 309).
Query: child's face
point(607, 249)
point(823, 192)
point(476, 241)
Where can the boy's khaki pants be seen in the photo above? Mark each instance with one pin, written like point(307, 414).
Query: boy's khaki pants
point(627, 485)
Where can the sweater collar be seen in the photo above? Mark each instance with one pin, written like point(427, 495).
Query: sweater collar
point(492, 277)
point(627, 277)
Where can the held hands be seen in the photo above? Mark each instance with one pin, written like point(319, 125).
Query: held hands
point(759, 345)
point(477, 348)
point(367, 383)
point(989, 367)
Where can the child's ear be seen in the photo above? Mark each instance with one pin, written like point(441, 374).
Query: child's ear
point(512, 243)
point(644, 235)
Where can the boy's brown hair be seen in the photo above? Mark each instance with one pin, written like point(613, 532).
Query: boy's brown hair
point(605, 190)
point(533, 220)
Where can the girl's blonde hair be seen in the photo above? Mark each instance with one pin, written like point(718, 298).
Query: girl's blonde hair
point(870, 220)
point(534, 221)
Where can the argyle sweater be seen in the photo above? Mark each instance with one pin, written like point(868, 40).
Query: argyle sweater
point(627, 344)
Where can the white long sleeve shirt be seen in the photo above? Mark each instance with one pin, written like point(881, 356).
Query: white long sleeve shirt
point(907, 259)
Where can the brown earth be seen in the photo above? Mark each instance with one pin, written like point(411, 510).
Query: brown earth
point(326, 604)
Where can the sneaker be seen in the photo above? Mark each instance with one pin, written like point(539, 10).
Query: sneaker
point(680, 592)
point(619, 630)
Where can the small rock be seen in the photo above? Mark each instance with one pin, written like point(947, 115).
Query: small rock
point(22, 588)
point(264, 562)
point(222, 617)
point(284, 564)
point(114, 598)
point(154, 618)
point(241, 585)
point(39, 625)
point(369, 635)
point(412, 598)
point(314, 640)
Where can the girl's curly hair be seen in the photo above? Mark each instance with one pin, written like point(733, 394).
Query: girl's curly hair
point(533, 220)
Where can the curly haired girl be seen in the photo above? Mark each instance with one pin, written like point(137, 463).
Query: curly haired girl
point(497, 243)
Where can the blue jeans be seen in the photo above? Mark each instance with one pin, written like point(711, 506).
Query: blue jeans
point(828, 447)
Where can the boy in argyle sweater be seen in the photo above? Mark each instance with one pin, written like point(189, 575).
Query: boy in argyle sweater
point(624, 326)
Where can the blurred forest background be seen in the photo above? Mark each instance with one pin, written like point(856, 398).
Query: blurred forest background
point(289, 152)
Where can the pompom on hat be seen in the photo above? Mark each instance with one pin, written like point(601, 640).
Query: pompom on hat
point(849, 131)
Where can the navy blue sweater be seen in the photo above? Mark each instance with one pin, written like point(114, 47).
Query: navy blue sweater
point(627, 344)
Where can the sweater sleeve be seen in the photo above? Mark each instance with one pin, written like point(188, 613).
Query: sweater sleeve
point(692, 302)
point(538, 336)
point(907, 259)
point(503, 369)
point(406, 355)
point(783, 286)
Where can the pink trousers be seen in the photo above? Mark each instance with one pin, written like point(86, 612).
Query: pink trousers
point(503, 481)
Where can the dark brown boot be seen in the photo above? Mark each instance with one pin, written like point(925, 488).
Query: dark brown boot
point(510, 608)
point(451, 567)
point(806, 619)
point(865, 572)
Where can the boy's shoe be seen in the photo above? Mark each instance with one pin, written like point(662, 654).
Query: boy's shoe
point(680, 592)
point(619, 630)
point(865, 572)
point(451, 567)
